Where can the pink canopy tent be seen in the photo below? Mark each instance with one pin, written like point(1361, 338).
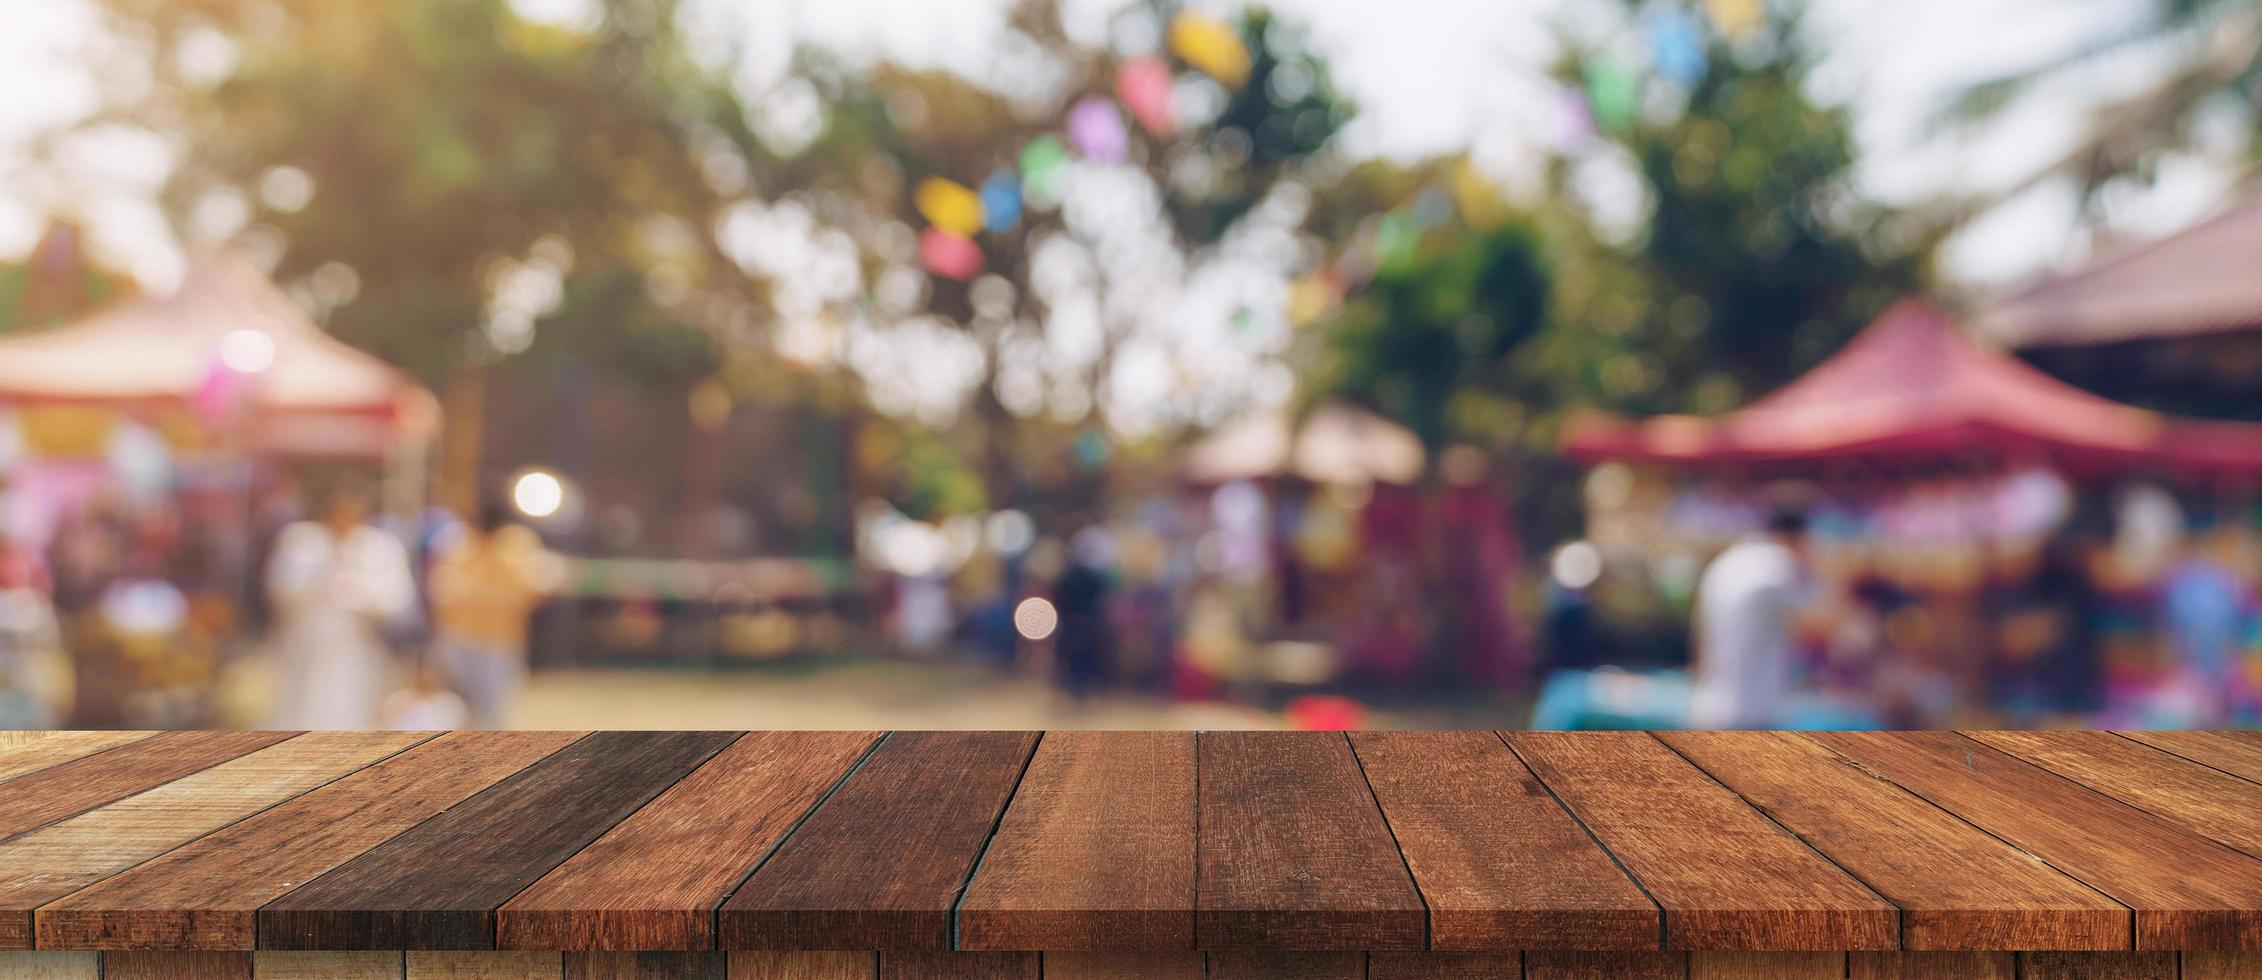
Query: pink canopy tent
point(1912, 386)
point(306, 393)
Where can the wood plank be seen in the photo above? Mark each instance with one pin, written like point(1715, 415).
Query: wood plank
point(1121, 965)
point(326, 966)
point(1728, 878)
point(1294, 851)
point(880, 864)
point(920, 964)
point(1571, 965)
point(2141, 860)
point(769, 965)
point(1096, 852)
point(175, 965)
point(437, 885)
point(1500, 863)
point(1958, 887)
point(1767, 966)
point(25, 965)
point(516, 965)
point(2097, 966)
point(63, 857)
point(1230, 965)
point(1929, 965)
point(22, 752)
point(2209, 802)
point(204, 895)
point(2231, 752)
point(645, 966)
point(37, 799)
point(1443, 966)
point(653, 882)
point(2222, 966)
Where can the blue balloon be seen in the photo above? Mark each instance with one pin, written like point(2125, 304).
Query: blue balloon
point(1001, 201)
point(1677, 48)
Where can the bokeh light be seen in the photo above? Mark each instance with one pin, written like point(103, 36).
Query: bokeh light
point(247, 351)
point(1035, 618)
point(537, 494)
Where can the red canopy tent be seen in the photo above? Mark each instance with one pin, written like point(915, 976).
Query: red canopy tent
point(1912, 386)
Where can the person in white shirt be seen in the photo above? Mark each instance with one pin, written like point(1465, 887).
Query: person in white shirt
point(1749, 604)
point(334, 583)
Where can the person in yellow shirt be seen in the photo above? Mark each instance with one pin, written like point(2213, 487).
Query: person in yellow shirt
point(484, 586)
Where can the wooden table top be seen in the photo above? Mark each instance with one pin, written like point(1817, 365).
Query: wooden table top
point(1131, 841)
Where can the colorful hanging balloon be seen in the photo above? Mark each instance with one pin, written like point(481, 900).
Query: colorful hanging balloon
point(1210, 44)
point(1677, 47)
point(949, 205)
point(1001, 201)
point(1578, 121)
point(1096, 128)
point(949, 256)
point(1735, 18)
point(1144, 84)
point(1044, 164)
point(1612, 93)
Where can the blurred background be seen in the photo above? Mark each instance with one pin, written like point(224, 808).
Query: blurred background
point(1084, 363)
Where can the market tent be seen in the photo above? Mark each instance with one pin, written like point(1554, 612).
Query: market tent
point(1334, 443)
point(2198, 281)
point(306, 392)
point(1912, 385)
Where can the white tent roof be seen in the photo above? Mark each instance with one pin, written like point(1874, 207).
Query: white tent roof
point(1336, 443)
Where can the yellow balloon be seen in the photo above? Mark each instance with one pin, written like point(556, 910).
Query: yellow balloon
point(949, 205)
point(1732, 18)
point(1211, 45)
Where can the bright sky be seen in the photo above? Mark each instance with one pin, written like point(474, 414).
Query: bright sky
point(1431, 76)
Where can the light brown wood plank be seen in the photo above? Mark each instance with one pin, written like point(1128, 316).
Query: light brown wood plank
point(485, 965)
point(37, 799)
point(1500, 863)
point(1561, 965)
point(2097, 966)
point(2231, 752)
point(653, 882)
point(1767, 966)
point(22, 752)
point(1444, 966)
point(1286, 966)
point(2222, 966)
point(2209, 802)
point(2138, 859)
point(645, 966)
point(27, 965)
point(1728, 877)
point(767, 965)
point(1931, 966)
point(1120, 965)
point(1958, 887)
point(175, 965)
point(59, 859)
point(326, 966)
point(1096, 852)
point(920, 964)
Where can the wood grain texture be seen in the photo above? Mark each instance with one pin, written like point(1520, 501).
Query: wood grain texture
point(919, 964)
point(63, 857)
point(645, 966)
point(2209, 802)
point(881, 863)
point(1728, 878)
point(2188, 892)
point(68, 789)
point(16, 965)
point(517, 965)
point(2097, 966)
point(326, 966)
point(1767, 966)
point(1499, 862)
point(437, 885)
point(1958, 887)
point(1931, 965)
point(204, 895)
point(653, 882)
point(1118, 965)
point(1096, 852)
point(2237, 753)
point(22, 752)
point(2222, 966)
point(1295, 854)
point(1232, 965)
point(1566, 965)
point(175, 965)
point(1444, 966)
point(771, 965)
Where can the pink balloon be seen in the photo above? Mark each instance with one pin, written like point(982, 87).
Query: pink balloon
point(1144, 86)
point(948, 255)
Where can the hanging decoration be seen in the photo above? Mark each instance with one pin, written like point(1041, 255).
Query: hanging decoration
point(1676, 44)
point(1096, 127)
point(949, 205)
point(1735, 18)
point(949, 256)
point(1211, 45)
point(1144, 85)
point(1044, 165)
point(1001, 201)
point(1612, 93)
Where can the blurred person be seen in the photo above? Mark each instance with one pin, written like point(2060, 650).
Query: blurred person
point(1079, 597)
point(1749, 606)
point(485, 585)
point(425, 705)
point(2204, 614)
point(2047, 658)
point(333, 583)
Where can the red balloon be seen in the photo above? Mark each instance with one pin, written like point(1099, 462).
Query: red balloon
point(948, 255)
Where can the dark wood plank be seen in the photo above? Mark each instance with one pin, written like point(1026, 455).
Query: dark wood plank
point(919, 964)
point(2097, 966)
point(36, 799)
point(1500, 863)
point(1958, 887)
point(1096, 852)
point(1444, 966)
point(2188, 892)
point(1707, 965)
point(1122, 965)
point(63, 857)
point(1931, 965)
point(880, 864)
point(2208, 802)
point(653, 882)
point(175, 965)
point(836, 965)
point(1728, 878)
point(645, 966)
point(22, 752)
point(2237, 753)
point(1227, 965)
point(204, 894)
point(1560, 965)
point(437, 885)
point(1294, 851)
